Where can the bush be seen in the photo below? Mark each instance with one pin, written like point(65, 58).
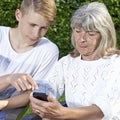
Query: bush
point(60, 33)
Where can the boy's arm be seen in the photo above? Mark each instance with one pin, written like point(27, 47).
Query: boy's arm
point(17, 101)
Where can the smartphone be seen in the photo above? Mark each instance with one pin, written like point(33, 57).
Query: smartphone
point(40, 96)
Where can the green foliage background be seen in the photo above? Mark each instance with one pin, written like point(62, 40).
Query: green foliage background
point(60, 32)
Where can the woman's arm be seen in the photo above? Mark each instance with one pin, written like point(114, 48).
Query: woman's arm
point(84, 113)
point(54, 110)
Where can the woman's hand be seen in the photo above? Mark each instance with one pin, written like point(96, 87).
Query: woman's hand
point(51, 110)
point(22, 82)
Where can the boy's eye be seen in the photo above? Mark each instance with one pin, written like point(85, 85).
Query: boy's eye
point(43, 27)
point(32, 25)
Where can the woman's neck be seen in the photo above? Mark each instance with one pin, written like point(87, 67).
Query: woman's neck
point(91, 57)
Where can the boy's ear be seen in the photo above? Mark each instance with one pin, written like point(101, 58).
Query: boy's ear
point(18, 14)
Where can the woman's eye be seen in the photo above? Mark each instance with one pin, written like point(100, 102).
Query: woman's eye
point(91, 33)
point(77, 30)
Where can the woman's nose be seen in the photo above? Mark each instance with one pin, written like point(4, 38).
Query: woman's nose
point(83, 36)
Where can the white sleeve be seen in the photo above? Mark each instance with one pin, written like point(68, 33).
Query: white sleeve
point(108, 98)
point(55, 80)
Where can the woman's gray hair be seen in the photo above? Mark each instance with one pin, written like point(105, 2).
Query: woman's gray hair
point(95, 17)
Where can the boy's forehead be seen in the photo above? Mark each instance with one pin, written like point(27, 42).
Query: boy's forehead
point(32, 13)
point(36, 18)
point(30, 10)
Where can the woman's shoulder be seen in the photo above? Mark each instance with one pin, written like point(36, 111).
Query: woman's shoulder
point(67, 59)
point(115, 61)
point(115, 58)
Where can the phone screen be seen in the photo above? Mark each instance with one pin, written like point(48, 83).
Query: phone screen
point(40, 96)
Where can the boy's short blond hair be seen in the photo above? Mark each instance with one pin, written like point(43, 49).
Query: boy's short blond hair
point(46, 8)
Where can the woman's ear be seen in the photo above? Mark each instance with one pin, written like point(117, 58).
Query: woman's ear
point(18, 14)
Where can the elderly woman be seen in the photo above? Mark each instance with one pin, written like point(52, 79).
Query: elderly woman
point(90, 75)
